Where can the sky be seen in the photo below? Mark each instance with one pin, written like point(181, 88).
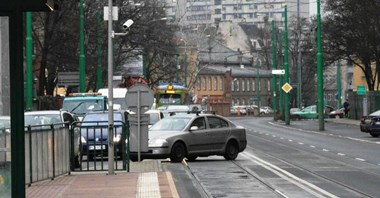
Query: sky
point(313, 7)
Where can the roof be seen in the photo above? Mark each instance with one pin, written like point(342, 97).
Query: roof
point(45, 112)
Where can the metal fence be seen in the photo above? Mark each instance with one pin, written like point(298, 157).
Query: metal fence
point(47, 153)
point(94, 145)
point(356, 103)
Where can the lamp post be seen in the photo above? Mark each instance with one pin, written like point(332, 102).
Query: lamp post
point(320, 70)
point(299, 62)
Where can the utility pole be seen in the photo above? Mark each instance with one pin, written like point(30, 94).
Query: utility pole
point(29, 62)
point(177, 63)
point(111, 170)
point(286, 67)
point(274, 66)
point(81, 48)
point(299, 61)
point(320, 105)
point(99, 80)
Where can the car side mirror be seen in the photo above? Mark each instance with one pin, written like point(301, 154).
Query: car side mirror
point(194, 128)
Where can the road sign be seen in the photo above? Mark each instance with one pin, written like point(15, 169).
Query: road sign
point(287, 87)
point(361, 89)
point(278, 72)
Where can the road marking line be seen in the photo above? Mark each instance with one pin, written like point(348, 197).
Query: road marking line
point(172, 186)
point(312, 146)
point(300, 143)
point(273, 136)
point(341, 154)
point(309, 187)
point(290, 140)
point(377, 142)
point(360, 159)
point(281, 138)
point(325, 150)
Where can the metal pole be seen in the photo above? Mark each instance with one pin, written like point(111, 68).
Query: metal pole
point(99, 80)
point(320, 70)
point(176, 73)
point(138, 127)
point(29, 65)
point(258, 84)
point(286, 65)
point(81, 48)
point(274, 66)
point(299, 61)
point(339, 85)
point(185, 64)
point(110, 92)
point(17, 100)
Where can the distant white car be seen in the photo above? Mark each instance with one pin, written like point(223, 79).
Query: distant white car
point(266, 110)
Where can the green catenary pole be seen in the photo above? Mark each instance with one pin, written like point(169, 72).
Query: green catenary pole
point(29, 63)
point(339, 85)
point(81, 47)
point(320, 70)
point(99, 80)
point(274, 66)
point(286, 65)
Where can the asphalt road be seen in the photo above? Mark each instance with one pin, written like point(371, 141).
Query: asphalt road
point(288, 161)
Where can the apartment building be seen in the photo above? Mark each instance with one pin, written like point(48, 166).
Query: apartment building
point(202, 12)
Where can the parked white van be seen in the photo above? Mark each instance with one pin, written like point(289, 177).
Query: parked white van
point(118, 96)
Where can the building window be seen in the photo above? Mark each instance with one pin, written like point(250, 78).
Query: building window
point(210, 83)
point(221, 83)
point(204, 83)
point(199, 84)
point(218, 2)
point(248, 87)
point(253, 85)
point(216, 83)
point(237, 85)
point(232, 85)
point(268, 83)
point(218, 11)
point(242, 85)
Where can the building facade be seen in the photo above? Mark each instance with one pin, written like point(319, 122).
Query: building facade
point(196, 12)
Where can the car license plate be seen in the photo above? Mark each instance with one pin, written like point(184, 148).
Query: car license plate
point(97, 147)
point(156, 151)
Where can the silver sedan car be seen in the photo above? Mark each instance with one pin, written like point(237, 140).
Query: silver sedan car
point(195, 135)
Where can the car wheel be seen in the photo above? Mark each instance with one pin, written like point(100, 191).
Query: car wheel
point(191, 158)
point(232, 151)
point(374, 134)
point(178, 152)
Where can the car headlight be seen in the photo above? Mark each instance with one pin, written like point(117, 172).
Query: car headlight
point(83, 140)
point(157, 142)
point(117, 138)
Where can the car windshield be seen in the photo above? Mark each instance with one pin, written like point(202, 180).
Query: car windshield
point(82, 106)
point(5, 123)
point(101, 118)
point(153, 118)
point(42, 119)
point(173, 123)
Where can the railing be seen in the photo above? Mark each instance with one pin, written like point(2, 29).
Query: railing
point(47, 153)
point(94, 145)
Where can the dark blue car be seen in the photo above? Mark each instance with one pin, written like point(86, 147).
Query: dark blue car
point(94, 133)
